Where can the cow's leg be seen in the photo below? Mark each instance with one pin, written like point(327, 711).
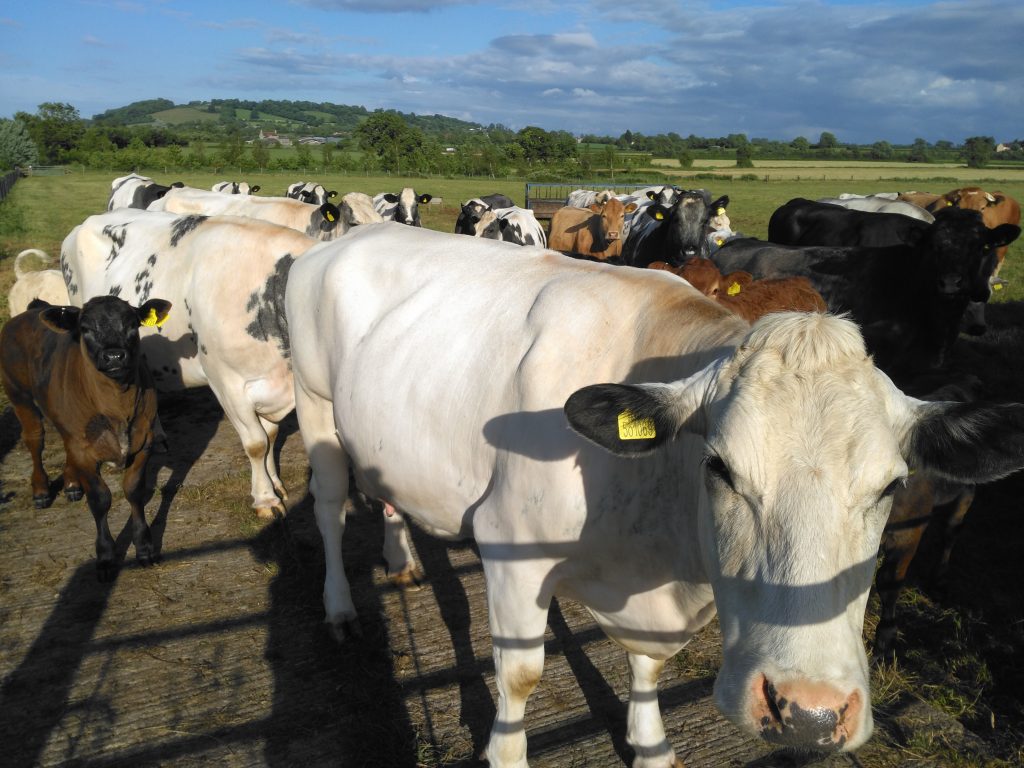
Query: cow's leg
point(645, 731)
point(960, 505)
point(97, 494)
point(272, 428)
point(31, 420)
point(402, 569)
point(518, 608)
point(329, 486)
point(133, 482)
point(247, 423)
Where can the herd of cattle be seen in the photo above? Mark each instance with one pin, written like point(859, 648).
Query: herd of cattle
point(659, 449)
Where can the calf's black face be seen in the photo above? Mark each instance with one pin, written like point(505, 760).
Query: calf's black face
point(686, 225)
point(962, 253)
point(108, 330)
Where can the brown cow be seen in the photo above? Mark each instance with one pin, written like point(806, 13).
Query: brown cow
point(741, 293)
point(594, 231)
point(996, 208)
point(80, 368)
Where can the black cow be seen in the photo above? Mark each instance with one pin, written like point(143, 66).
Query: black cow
point(674, 233)
point(909, 299)
point(473, 209)
point(807, 222)
point(80, 368)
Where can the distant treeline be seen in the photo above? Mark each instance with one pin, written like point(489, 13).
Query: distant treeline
point(272, 134)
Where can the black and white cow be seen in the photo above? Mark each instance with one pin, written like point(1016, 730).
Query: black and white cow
point(135, 191)
point(473, 209)
point(403, 207)
point(672, 233)
point(236, 188)
point(310, 192)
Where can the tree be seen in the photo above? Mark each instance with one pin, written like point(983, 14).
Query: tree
point(978, 151)
point(881, 150)
point(744, 157)
point(56, 129)
point(16, 147)
point(390, 139)
point(827, 141)
point(800, 144)
point(233, 149)
point(918, 152)
point(685, 159)
point(260, 154)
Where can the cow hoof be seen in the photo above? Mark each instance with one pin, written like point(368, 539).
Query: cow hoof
point(409, 579)
point(281, 492)
point(42, 500)
point(146, 557)
point(269, 513)
point(344, 630)
point(73, 493)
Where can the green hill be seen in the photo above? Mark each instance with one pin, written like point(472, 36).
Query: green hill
point(319, 118)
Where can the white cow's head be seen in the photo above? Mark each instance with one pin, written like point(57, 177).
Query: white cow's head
point(804, 444)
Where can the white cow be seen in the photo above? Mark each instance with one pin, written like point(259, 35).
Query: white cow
point(880, 204)
point(236, 188)
point(750, 470)
point(310, 192)
point(358, 206)
point(520, 226)
point(45, 284)
point(226, 277)
point(403, 207)
point(324, 222)
point(135, 191)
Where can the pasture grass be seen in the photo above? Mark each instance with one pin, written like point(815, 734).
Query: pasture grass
point(945, 654)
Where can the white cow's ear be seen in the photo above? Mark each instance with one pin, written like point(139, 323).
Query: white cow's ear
point(967, 442)
point(635, 419)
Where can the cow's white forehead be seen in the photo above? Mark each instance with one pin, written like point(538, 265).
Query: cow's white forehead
point(801, 398)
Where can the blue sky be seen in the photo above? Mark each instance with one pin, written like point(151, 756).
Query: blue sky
point(865, 71)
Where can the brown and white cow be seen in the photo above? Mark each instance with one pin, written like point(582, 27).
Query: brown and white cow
point(721, 467)
point(81, 369)
point(594, 231)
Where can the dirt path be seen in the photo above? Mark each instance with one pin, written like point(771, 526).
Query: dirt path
point(218, 656)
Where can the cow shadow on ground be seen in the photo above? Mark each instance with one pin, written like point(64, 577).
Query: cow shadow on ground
point(332, 704)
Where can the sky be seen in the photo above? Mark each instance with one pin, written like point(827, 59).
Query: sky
point(776, 69)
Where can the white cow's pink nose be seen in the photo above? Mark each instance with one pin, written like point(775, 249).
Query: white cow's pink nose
point(613, 234)
point(806, 714)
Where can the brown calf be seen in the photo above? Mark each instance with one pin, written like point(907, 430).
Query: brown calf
point(748, 298)
point(80, 368)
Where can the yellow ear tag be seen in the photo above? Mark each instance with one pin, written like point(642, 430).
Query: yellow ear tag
point(734, 289)
point(997, 287)
point(720, 211)
point(631, 428)
point(328, 215)
point(153, 321)
point(659, 216)
point(949, 202)
point(719, 241)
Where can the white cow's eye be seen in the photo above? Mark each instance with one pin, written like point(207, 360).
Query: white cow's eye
point(716, 469)
point(891, 488)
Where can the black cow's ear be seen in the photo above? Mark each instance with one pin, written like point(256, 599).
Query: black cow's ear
point(1002, 235)
point(425, 198)
point(154, 312)
point(623, 419)
point(178, 185)
point(722, 203)
point(656, 212)
point(61, 319)
point(254, 189)
point(330, 212)
point(651, 194)
point(332, 194)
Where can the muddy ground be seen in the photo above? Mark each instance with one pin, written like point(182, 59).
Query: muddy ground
point(219, 656)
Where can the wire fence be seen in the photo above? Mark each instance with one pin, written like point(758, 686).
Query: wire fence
point(7, 183)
